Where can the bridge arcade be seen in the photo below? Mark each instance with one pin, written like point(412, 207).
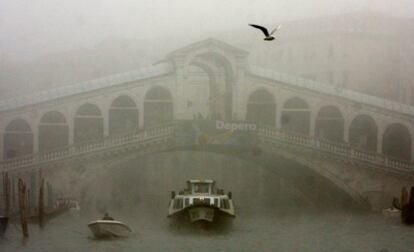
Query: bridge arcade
point(208, 79)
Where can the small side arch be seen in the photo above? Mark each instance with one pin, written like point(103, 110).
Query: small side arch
point(158, 106)
point(17, 139)
point(329, 124)
point(261, 107)
point(296, 116)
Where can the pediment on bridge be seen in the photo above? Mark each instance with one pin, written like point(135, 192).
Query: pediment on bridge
point(211, 45)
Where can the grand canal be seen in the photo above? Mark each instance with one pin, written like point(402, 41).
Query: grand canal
point(259, 231)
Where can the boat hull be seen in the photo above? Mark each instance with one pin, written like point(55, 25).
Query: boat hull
point(201, 213)
point(391, 212)
point(108, 229)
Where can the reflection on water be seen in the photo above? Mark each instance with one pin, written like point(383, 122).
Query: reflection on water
point(261, 232)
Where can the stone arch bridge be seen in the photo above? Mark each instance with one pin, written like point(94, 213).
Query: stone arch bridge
point(361, 144)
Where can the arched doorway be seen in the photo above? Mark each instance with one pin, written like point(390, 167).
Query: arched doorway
point(330, 124)
point(397, 142)
point(158, 106)
point(17, 139)
point(261, 108)
point(53, 131)
point(88, 123)
point(363, 133)
point(123, 115)
point(296, 116)
point(221, 79)
point(199, 82)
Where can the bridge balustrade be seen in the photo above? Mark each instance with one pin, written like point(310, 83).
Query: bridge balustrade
point(143, 137)
point(267, 134)
point(275, 136)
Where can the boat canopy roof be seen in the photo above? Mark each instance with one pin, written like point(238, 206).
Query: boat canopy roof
point(196, 181)
point(200, 186)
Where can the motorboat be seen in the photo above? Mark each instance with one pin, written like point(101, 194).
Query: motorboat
point(391, 212)
point(202, 201)
point(109, 228)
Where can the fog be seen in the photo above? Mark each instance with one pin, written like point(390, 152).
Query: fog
point(45, 44)
point(34, 28)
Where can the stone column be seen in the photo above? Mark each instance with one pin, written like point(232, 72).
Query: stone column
point(312, 123)
point(35, 130)
point(347, 125)
point(380, 137)
point(104, 107)
point(278, 117)
point(141, 112)
point(239, 80)
point(106, 124)
point(1, 145)
point(70, 117)
point(180, 80)
point(71, 129)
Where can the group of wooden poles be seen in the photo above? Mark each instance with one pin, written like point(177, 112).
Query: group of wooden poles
point(22, 195)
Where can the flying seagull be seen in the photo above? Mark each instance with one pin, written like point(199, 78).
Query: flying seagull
point(268, 37)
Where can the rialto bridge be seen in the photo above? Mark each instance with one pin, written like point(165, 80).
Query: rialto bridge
point(361, 144)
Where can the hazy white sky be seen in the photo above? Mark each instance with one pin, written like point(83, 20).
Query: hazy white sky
point(34, 27)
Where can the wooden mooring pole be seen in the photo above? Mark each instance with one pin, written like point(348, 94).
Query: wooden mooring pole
point(22, 206)
point(13, 195)
point(6, 193)
point(41, 203)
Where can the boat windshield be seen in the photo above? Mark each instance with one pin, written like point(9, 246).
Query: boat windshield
point(201, 188)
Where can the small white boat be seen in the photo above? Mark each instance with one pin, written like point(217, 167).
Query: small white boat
point(391, 212)
point(109, 228)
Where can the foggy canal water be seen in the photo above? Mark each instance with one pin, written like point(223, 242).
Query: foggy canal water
point(271, 215)
point(250, 232)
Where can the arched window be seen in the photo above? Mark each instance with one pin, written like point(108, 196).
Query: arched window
point(17, 139)
point(296, 116)
point(53, 131)
point(397, 141)
point(158, 106)
point(330, 124)
point(363, 133)
point(123, 115)
point(88, 123)
point(261, 108)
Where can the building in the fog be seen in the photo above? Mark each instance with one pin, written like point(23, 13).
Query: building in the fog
point(364, 51)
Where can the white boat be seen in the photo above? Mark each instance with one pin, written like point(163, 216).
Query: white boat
point(202, 201)
point(109, 228)
point(391, 212)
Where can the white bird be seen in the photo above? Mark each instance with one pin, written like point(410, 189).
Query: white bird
point(268, 37)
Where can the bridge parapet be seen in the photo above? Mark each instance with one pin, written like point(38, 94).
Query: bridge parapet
point(144, 137)
point(265, 134)
point(272, 135)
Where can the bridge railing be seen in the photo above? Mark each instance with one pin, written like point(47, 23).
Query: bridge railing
point(144, 136)
point(268, 134)
point(274, 136)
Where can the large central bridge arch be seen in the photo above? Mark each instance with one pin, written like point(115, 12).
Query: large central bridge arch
point(320, 187)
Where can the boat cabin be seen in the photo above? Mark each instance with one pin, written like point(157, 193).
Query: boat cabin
point(196, 186)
